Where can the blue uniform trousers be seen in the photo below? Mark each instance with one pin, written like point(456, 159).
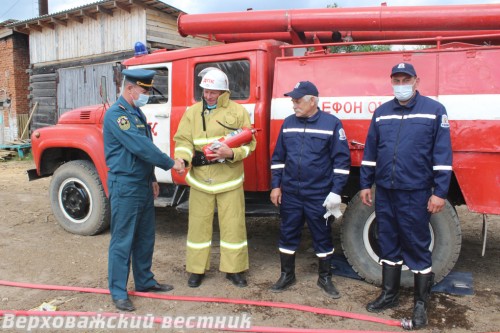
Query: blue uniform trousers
point(132, 235)
point(294, 210)
point(403, 226)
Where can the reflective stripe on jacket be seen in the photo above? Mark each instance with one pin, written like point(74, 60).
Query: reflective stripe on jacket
point(311, 155)
point(190, 136)
point(408, 147)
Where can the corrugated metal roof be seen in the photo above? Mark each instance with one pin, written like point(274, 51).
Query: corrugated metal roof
point(93, 8)
point(7, 22)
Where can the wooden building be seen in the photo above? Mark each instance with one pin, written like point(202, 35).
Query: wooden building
point(71, 50)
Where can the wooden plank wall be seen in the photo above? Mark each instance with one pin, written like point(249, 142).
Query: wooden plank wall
point(161, 31)
point(43, 90)
point(105, 34)
point(44, 87)
point(22, 121)
point(101, 40)
point(80, 86)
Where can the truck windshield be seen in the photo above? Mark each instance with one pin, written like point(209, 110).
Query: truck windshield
point(159, 94)
point(238, 73)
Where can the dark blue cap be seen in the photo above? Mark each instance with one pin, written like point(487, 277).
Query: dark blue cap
point(404, 68)
point(303, 88)
point(140, 77)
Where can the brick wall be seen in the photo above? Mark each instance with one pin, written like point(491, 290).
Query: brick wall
point(14, 82)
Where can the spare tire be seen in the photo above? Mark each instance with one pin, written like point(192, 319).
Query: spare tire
point(359, 242)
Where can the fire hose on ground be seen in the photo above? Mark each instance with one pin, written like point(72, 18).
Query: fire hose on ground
point(404, 323)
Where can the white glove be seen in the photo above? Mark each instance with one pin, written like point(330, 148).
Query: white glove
point(215, 145)
point(332, 205)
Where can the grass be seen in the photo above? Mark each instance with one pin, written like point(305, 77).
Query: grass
point(28, 156)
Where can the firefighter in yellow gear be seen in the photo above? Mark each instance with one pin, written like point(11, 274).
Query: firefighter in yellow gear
point(215, 183)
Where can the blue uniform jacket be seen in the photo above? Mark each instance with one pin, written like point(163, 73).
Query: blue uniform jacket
point(128, 146)
point(311, 155)
point(408, 147)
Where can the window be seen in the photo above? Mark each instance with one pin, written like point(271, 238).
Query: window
point(159, 93)
point(238, 73)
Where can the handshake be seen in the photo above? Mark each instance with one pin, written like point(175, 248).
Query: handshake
point(179, 166)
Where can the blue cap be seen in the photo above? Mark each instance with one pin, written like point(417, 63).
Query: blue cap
point(140, 77)
point(303, 88)
point(404, 68)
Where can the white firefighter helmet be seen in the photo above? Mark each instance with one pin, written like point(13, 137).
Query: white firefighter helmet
point(214, 79)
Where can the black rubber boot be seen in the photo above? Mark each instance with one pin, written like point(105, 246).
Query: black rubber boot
point(389, 298)
point(287, 278)
point(422, 292)
point(325, 278)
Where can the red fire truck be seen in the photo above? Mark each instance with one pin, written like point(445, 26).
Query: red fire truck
point(464, 77)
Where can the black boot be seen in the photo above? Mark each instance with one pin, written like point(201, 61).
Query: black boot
point(389, 298)
point(287, 278)
point(325, 278)
point(422, 292)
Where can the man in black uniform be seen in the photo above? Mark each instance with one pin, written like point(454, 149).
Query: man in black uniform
point(131, 158)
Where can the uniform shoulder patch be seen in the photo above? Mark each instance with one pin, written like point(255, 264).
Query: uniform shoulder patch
point(444, 121)
point(123, 122)
point(342, 134)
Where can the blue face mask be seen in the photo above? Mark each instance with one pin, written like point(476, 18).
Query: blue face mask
point(141, 101)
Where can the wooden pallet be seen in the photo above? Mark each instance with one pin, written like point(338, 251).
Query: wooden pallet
point(13, 148)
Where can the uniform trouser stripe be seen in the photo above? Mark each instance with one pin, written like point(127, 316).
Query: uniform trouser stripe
point(403, 227)
point(294, 212)
point(286, 251)
point(324, 255)
point(231, 215)
point(391, 263)
point(424, 271)
point(198, 245)
point(233, 246)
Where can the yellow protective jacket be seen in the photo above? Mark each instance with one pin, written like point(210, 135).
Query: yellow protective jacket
point(218, 177)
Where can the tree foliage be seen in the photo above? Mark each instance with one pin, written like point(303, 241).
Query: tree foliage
point(359, 48)
point(356, 48)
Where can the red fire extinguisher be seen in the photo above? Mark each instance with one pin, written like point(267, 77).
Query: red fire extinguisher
point(234, 139)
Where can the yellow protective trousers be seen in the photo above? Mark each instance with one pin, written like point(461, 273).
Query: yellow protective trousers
point(233, 234)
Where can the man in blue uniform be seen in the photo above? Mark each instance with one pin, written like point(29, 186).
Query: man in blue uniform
point(310, 167)
point(408, 156)
point(131, 158)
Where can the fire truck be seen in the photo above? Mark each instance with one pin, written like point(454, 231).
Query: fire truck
point(264, 54)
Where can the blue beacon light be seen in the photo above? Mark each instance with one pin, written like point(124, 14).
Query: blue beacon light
point(140, 49)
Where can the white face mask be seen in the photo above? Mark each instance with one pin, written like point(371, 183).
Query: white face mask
point(403, 92)
point(141, 101)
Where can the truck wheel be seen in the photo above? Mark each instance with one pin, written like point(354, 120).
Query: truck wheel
point(359, 242)
point(78, 199)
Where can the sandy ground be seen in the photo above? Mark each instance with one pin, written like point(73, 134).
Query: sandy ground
point(35, 249)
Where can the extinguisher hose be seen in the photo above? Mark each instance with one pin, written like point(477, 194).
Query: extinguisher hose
point(279, 305)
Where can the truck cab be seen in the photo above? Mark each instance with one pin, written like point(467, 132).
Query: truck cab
point(72, 150)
